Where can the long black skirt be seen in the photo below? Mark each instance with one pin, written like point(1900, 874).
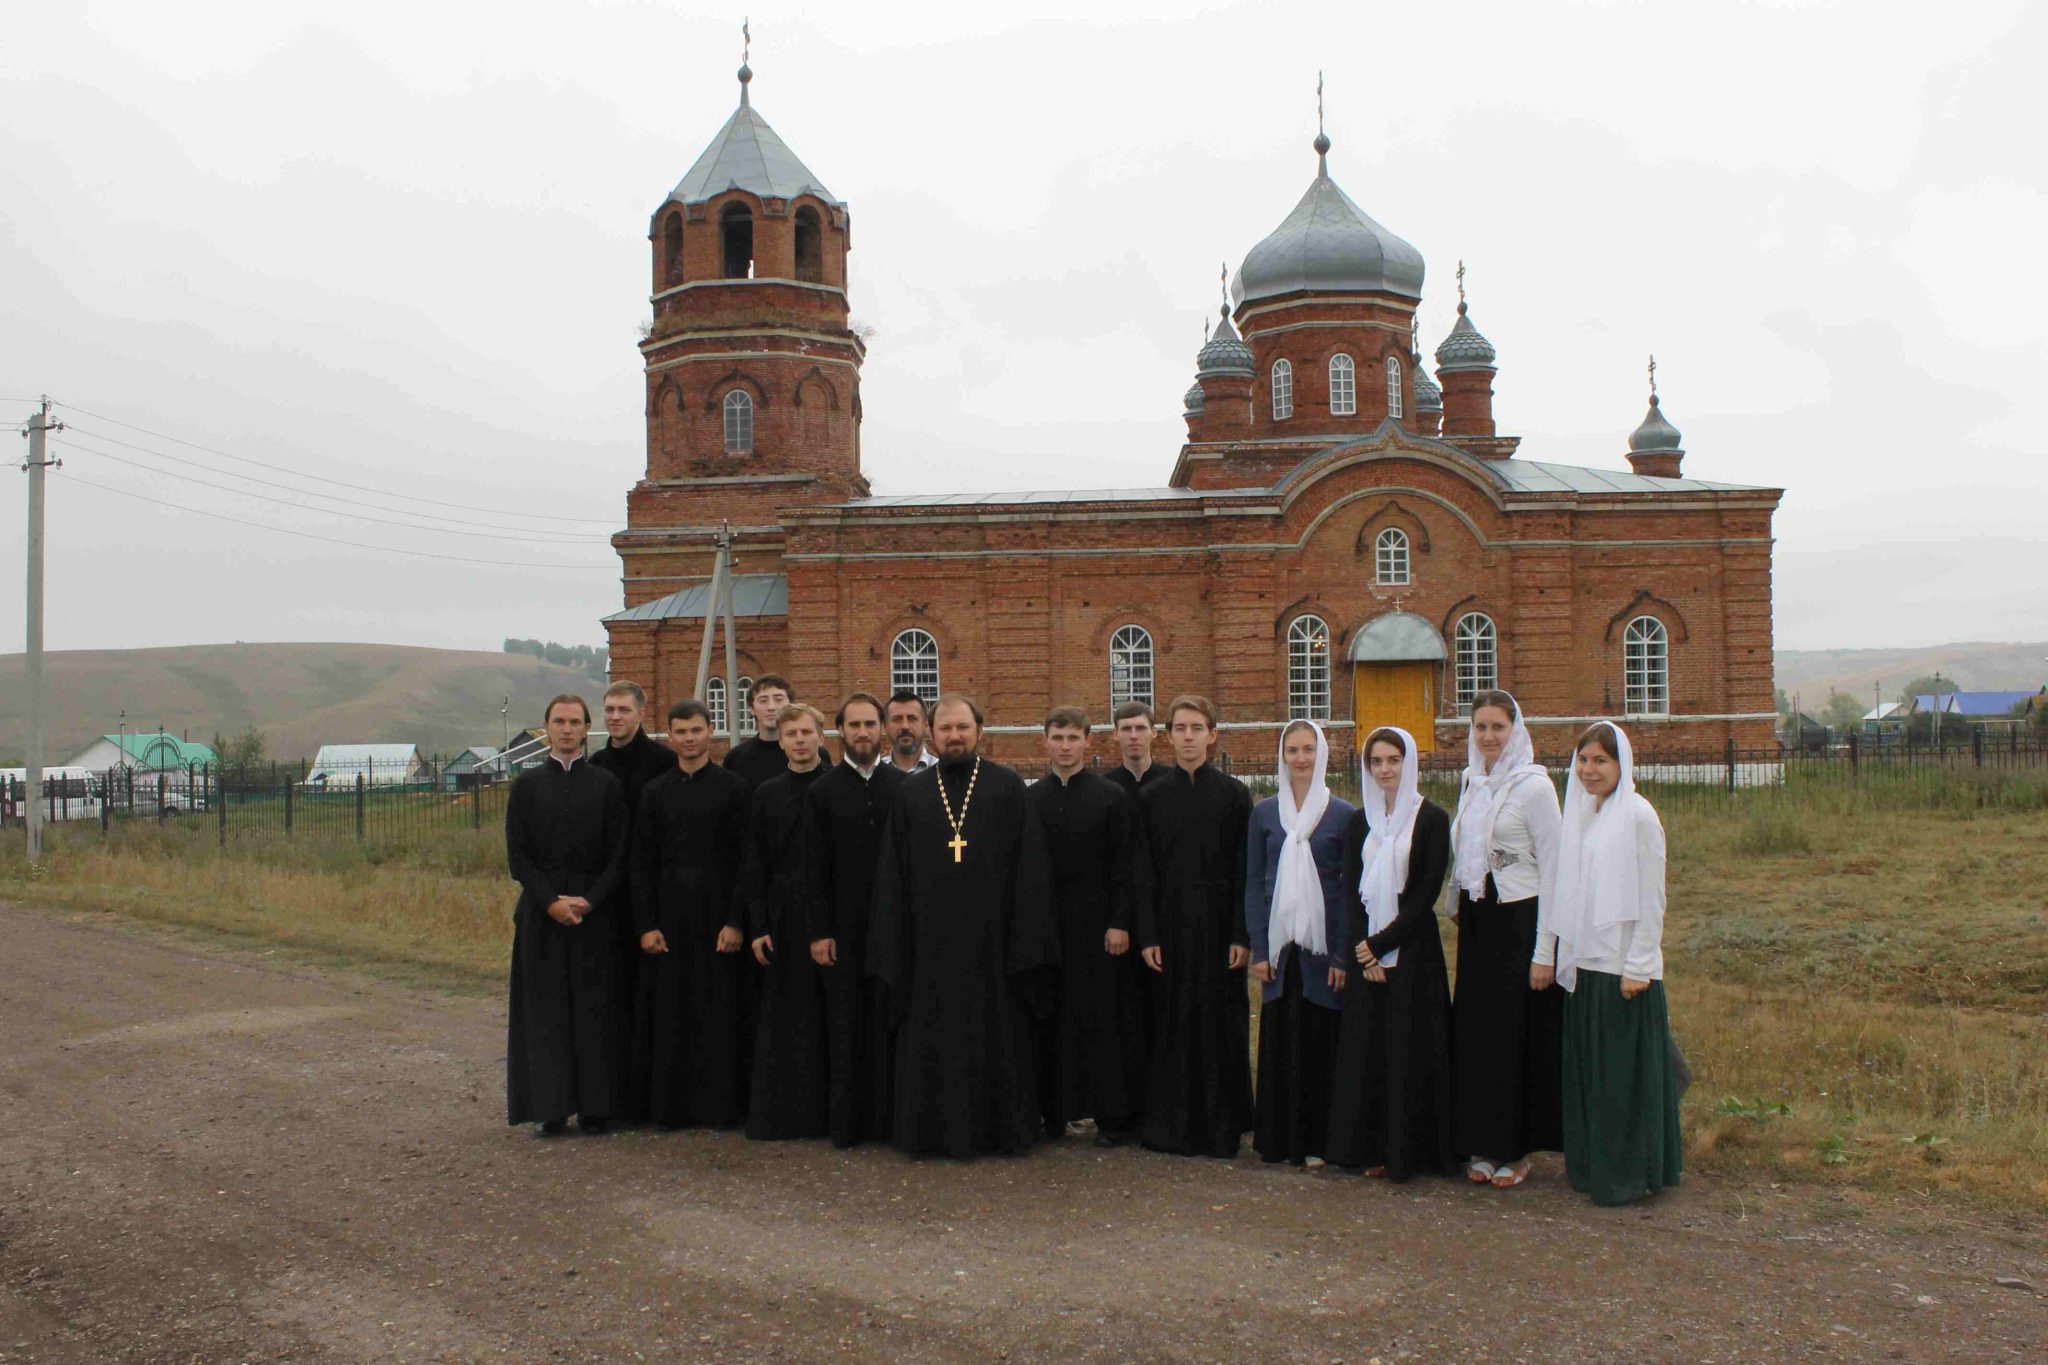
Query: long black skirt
point(564, 1021)
point(790, 1094)
point(1390, 1103)
point(1297, 1046)
point(1508, 1041)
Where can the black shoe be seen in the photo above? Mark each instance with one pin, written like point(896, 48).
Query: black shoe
point(590, 1125)
point(548, 1128)
point(1106, 1139)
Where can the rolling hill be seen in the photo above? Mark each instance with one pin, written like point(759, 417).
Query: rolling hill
point(300, 696)
point(1813, 673)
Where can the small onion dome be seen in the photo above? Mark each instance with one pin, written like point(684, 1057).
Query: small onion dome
point(1655, 436)
point(1464, 348)
point(1428, 397)
point(1191, 401)
point(1224, 352)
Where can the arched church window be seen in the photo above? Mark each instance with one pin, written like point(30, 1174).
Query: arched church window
point(1477, 660)
point(810, 246)
point(1283, 390)
point(1130, 666)
point(672, 250)
point(746, 705)
point(1646, 667)
point(1343, 386)
point(736, 241)
point(714, 702)
point(914, 664)
point(739, 423)
point(1390, 558)
point(1394, 386)
point(1308, 669)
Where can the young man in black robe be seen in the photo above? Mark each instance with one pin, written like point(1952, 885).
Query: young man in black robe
point(848, 808)
point(788, 1096)
point(565, 843)
point(695, 1001)
point(635, 760)
point(1092, 1054)
point(1134, 733)
point(759, 757)
point(1190, 892)
point(963, 938)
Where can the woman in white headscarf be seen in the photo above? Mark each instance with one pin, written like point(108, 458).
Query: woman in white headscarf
point(1603, 908)
point(1295, 907)
point(1506, 1043)
point(1390, 1107)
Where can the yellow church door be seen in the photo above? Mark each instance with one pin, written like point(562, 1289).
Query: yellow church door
point(1402, 694)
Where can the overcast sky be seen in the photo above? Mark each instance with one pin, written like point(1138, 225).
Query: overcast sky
point(403, 246)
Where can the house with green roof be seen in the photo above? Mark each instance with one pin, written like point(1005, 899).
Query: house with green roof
point(143, 751)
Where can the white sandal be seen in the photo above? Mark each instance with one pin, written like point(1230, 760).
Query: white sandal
point(1507, 1177)
point(1479, 1172)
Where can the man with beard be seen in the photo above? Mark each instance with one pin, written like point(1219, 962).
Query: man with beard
point(635, 760)
point(848, 808)
point(788, 1096)
point(695, 987)
point(1134, 732)
point(1190, 891)
point(906, 720)
point(963, 938)
point(565, 843)
point(760, 757)
point(1091, 1055)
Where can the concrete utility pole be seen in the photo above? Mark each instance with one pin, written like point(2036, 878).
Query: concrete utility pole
point(720, 604)
point(38, 426)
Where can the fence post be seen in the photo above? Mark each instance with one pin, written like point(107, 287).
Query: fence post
point(107, 801)
point(287, 802)
point(476, 805)
point(1731, 763)
point(1852, 753)
point(360, 790)
point(162, 785)
point(1977, 744)
point(219, 791)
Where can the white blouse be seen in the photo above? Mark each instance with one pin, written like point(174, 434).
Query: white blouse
point(1639, 949)
point(1525, 834)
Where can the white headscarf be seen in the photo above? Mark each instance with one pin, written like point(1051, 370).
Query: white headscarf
point(1597, 884)
point(1480, 794)
point(1390, 835)
point(1297, 886)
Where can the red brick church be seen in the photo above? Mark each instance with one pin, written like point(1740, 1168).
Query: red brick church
point(1341, 537)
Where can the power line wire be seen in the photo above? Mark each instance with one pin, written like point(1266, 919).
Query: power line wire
point(321, 478)
point(331, 540)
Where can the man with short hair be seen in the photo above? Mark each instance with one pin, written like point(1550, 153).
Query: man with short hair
point(849, 807)
point(694, 1017)
point(787, 1095)
point(1189, 884)
point(635, 760)
point(963, 938)
point(565, 843)
point(1091, 1055)
point(1135, 768)
point(906, 719)
point(760, 757)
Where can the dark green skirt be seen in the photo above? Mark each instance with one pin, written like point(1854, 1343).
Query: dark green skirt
point(1621, 1138)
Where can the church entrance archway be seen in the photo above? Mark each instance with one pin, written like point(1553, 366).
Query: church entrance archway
point(1396, 662)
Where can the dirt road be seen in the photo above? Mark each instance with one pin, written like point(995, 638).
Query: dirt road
point(210, 1156)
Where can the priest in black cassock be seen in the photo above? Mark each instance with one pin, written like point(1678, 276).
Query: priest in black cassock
point(695, 1007)
point(759, 757)
point(1189, 883)
point(635, 760)
point(1092, 1053)
point(787, 1098)
point(964, 940)
point(565, 843)
point(1134, 735)
point(848, 808)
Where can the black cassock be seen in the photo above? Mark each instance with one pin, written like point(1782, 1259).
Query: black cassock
point(694, 1008)
point(635, 763)
point(1092, 1054)
point(565, 835)
point(1131, 786)
point(1189, 885)
point(1390, 1104)
point(848, 813)
point(758, 760)
point(787, 1097)
point(967, 951)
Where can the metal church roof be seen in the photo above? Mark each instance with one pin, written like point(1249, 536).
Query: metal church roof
point(747, 155)
point(753, 594)
point(1328, 244)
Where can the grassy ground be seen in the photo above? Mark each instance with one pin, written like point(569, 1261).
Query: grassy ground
point(1859, 977)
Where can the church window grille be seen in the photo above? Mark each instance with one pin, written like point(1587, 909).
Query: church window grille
point(1394, 386)
point(1130, 666)
point(1477, 659)
point(1308, 669)
point(739, 423)
point(1646, 667)
point(1390, 558)
point(1283, 390)
point(1343, 386)
point(914, 664)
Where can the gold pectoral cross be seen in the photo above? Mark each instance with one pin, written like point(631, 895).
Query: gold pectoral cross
point(957, 845)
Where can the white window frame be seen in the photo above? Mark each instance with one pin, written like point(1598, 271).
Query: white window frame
point(1308, 669)
point(1343, 386)
point(1283, 390)
point(739, 423)
point(1477, 658)
point(914, 664)
point(746, 686)
point(1396, 390)
point(1646, 668)
point(714, 702)
point(1130, 666)
point(1390, 558)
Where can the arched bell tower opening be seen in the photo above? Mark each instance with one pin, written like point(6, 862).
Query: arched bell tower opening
point(736, 242)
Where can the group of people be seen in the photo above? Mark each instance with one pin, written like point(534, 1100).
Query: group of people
point(927, 949)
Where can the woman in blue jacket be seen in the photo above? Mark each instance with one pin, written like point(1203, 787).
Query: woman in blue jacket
point(1295, 905)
